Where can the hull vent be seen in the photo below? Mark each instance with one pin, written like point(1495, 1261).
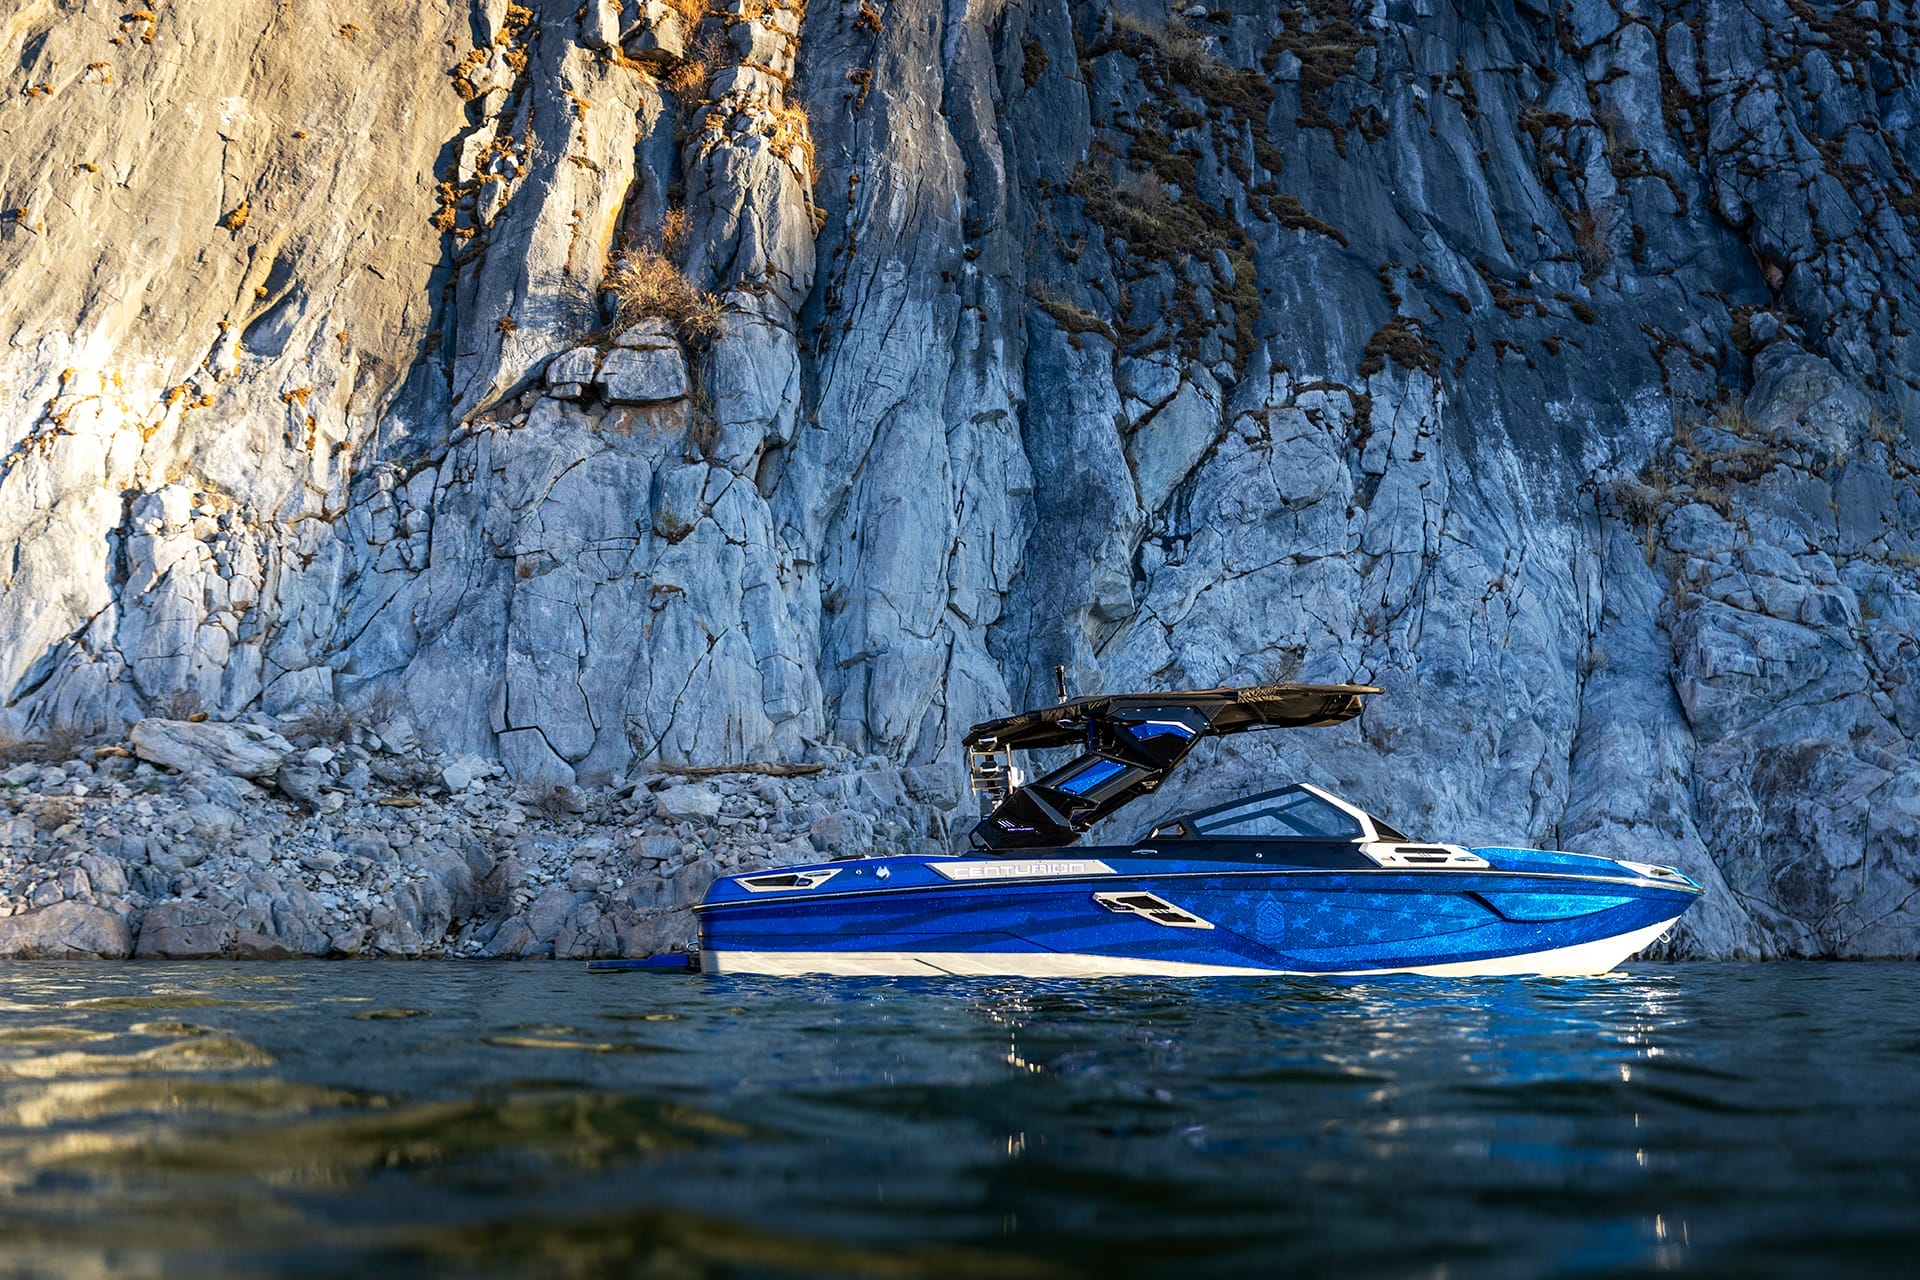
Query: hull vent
point(1152, 907)
point(785, 881)
point(1425, 856)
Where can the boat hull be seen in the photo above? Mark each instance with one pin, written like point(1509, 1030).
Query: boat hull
point(1206, 923)
point(1584, 959)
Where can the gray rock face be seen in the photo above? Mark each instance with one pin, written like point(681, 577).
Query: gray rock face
point(1547, 366)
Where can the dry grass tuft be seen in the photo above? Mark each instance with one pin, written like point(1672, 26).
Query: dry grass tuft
point(688, 78)
point(1402, 341)
point(329, 723)
point(56, 812)
point(691, 11)
point(1146, 190)
point(706, 56)
point(703, 437)
point(1590, 244)
point(181, 704)
point(1884, 429)
point(59, 745)
point(790, 130)
point(1074, 320)
point(648, 284)
point(673, 231)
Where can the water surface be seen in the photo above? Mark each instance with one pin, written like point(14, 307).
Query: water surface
point(531, 1119)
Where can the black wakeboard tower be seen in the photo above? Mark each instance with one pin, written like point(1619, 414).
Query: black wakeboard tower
point(1132, 742)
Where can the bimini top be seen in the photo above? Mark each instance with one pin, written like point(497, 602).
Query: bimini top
point(1132, 741)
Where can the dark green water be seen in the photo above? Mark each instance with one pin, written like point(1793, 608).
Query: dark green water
point(418, 1119)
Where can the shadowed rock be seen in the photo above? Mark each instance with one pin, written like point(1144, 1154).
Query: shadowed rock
point(65, 931)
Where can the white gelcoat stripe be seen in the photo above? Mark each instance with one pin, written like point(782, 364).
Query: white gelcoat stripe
point(1603, 955)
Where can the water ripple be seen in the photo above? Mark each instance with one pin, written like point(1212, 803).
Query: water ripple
point(517, 1120)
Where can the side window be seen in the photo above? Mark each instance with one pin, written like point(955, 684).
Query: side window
point(1091, 775)
point(1289, 815)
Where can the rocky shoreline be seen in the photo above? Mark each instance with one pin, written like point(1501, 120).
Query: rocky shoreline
point(313, 837)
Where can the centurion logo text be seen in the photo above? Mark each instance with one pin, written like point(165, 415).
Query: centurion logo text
point(1020, 870)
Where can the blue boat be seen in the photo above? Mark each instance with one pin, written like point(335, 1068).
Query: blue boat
point(1291, 881)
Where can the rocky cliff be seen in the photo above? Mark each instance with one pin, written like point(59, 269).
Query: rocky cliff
point(599, 387)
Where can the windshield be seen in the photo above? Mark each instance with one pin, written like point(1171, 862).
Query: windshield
point(1291, 814)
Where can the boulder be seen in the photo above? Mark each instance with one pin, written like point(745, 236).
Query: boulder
point(649, 332)
point(747, 80)
point(65, 931)
point(176, 853)
point(424, 908)
point(211, 746)
point(372, 846)
point(250, 945)
point(600, 24)
point(654, 850)
point(512, 939)
point(687, 885)
point(351, 940)
point(655, 933)
point(550, 910)
point(661, 36)
point(459, 775)
point(688, 803)
point(214, 825)
point(296, 924)
point(841, 832)
point(106, 875)
point(182, 929)
point(575, 366)
point(648, 375)
point(301, 783)
point(763, 45)
point(398, 734)
point(455, 879)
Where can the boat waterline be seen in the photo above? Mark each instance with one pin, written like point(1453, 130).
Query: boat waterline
point(1584, 959)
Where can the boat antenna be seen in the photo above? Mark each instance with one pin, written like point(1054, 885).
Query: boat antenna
point(1060, 682)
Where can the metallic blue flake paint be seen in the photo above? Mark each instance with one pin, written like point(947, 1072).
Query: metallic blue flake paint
point(1264, 918)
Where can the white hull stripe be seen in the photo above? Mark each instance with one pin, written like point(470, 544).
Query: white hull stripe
point(1603, 955)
